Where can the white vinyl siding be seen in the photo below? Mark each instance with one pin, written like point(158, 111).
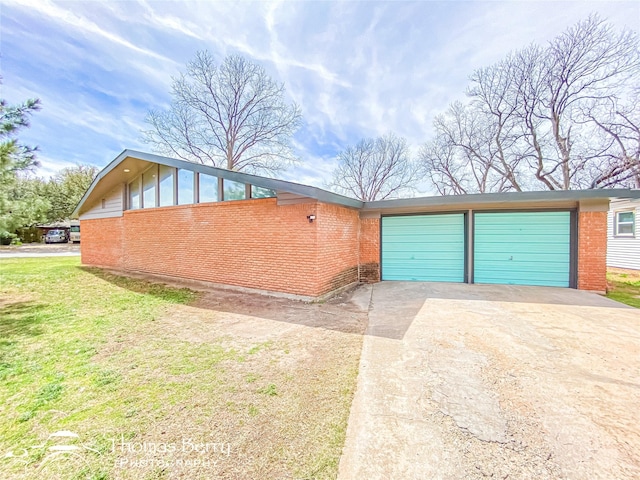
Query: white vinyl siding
point(112, 205)
point(623, 251)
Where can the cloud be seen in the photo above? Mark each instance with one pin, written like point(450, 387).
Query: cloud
point(357, 69)
point(71, 19)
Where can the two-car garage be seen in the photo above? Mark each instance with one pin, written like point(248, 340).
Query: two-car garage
point(505, 247)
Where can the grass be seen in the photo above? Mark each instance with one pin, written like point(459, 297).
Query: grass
point(624, 287)
point(105, 361)
point(55, 318)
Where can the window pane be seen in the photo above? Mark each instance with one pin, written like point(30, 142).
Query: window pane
point(625, 217)
point(185, 187)
point(166, 186)
point(134, 195)
point(233, 190)
point(260, 192)
point(208, 188)
point(625, 228)
point(149, 188)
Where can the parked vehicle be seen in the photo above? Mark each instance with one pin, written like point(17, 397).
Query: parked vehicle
point(74, 231)
point(56, 236)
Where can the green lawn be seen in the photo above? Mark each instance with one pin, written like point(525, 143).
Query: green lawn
point(55, 317)
point(624, 287)
point(105, 363)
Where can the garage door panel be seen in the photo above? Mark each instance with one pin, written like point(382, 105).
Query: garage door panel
point(421, 274)
point(522, 248)
point(423, 248)
point(507, 249)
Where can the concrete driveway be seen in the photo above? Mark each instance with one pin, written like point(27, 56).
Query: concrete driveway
point(479, 381)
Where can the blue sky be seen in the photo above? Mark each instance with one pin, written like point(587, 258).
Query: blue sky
point(357, 69)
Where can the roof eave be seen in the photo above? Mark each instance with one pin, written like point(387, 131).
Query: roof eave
point(264, 182)
point(486, 199)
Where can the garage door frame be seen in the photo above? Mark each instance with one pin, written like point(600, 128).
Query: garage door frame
point(573, 238)
point(467, 241)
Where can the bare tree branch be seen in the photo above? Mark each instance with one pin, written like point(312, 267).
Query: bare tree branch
point(557, 116)
point(375, 169)
point(231, 115)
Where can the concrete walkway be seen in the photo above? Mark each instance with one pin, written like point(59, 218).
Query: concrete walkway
point(476, 381)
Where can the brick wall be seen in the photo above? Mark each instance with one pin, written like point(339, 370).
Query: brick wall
point(252, 243)
point(258, 244)
point(592, 251)
point(102, 242)
point(369, 250)
point(337, 246)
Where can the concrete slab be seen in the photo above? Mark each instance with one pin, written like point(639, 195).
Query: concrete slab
point(471, 381)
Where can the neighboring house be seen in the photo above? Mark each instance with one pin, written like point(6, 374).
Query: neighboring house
point(157, 215)
point(623, 237)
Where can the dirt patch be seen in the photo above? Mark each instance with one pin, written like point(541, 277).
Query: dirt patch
point(276, 395)
point(635, 274)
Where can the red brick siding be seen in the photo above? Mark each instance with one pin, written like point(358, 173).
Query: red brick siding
point(592, 251)
point(102, 242)
point(258, 244)
point(251, 243)
point(370, 250)
point(337, 246)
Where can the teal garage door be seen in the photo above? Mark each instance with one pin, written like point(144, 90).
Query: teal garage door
point(526, 248)
point(423, 248)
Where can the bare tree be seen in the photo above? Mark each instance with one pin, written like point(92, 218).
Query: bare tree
point(545, 117)
point(618, 127)
point(464, 155)
point(231, 115)
point(375, 169)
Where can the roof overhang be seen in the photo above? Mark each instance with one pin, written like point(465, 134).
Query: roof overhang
point(130, 163)
point(554, 199)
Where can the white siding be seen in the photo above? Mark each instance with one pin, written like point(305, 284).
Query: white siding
point(286, 198)
point(623, 252)
point(113, 205)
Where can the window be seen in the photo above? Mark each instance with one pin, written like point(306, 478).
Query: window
point(208, 188)
point(149, 188)
point(185, 187)
point(167, 196)
point(625, 224)
point(233, 190)
point(260, 192)
point(134, 194)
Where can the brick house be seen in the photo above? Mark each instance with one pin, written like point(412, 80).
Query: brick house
point(158, 215)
